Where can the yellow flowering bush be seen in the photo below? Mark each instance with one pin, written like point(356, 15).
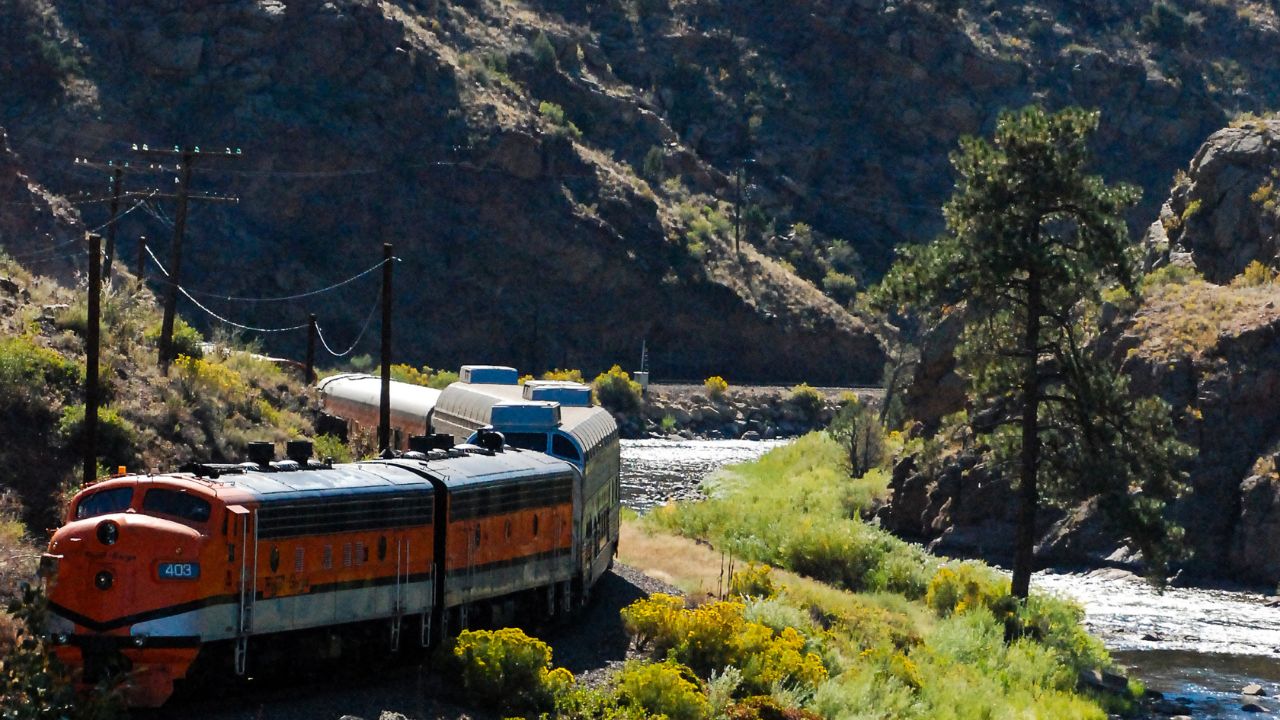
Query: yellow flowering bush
point(962, 586)
point(717, 635)
point(508, 669)
point(200, 378)
point(754, 581)
point(716, 386)
point(664, 689)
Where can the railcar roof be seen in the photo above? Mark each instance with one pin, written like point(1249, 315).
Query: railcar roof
point(367, 390)
point(590, 425)
point(380, 476)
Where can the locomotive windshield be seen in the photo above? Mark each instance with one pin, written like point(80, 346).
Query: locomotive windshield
point(175, 503)
point(104, 501)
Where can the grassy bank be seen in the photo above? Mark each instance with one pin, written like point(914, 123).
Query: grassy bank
point(902, 634)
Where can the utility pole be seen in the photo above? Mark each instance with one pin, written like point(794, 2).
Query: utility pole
point(310, 375)
point(91, 360)
point(116, 176)
point(175, 267)
point(384, 407)
point(142, 260)
point(183, 196)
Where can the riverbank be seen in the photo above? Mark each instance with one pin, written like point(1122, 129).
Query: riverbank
point(747, 413)
point(928, 635)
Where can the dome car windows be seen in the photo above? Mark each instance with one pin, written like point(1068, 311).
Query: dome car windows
point(562, 446)
point(175, 503)
point(527, 441)
point(107, 501)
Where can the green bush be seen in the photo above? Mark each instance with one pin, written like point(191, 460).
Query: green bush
point(117, 438)
point(616, 390)
point(331, 446)
point(28, 372)
point(858, 430)
point(653, 167)
point(544, 53)
point(33, 684)
point(508, 670)
point(186, 339)
point(807, 400)
point(840, 287)
point(661, 689)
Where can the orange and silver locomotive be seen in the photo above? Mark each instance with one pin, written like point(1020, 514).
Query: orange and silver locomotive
point(151, 571)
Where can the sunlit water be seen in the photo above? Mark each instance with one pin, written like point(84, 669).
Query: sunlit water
point(655, 471)
point(1202, 646)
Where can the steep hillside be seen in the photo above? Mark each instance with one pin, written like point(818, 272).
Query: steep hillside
point(560, 177)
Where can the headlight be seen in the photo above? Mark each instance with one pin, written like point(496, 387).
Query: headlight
point(108, 532)
point(104, 580)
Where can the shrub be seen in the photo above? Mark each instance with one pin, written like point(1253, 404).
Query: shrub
point(763, 707)
point(963, 586)
point(1168, 25)
point(668, 423)
point(28, 371)
point(507, 669)
point(718, 635)
point(33, 684)
point(807, 400)
point(331, 446)
point(858, 430)
point(186, 339)
point(653, 167)
point(116, 439)
point(754, 581)
point(563, 375)
point(840, 287)
point(544, 53)
point(438, 379)
point(1255, 274)
point(716, 387)
point(665, 688)
point(555, 115)
point(617, 391)
point(204, 380)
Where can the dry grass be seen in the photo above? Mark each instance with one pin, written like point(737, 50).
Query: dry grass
point(1188, 319)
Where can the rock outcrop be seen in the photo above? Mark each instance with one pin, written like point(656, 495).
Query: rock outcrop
point(1224, 212)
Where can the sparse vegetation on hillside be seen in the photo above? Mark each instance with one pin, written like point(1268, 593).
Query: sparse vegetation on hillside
point(208, 408)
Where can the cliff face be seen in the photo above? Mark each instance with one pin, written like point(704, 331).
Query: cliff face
point(560, 176)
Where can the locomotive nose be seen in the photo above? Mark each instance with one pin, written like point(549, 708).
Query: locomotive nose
point(101, 567)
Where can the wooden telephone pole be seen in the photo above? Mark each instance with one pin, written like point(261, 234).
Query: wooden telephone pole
point(384, 406)
point(91, 360)
point(187, 158)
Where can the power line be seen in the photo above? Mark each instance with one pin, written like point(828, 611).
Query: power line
point(377, 303)
point(288, 298)
point(215, 315)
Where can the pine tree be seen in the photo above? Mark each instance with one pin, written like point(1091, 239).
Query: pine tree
point(1031, 239)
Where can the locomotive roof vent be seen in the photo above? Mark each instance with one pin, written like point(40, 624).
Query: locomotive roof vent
point(565, 392)
point(488, 375)
point(298, 451)
point(262, 453)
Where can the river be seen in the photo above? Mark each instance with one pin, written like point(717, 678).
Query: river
point(1199, 647)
